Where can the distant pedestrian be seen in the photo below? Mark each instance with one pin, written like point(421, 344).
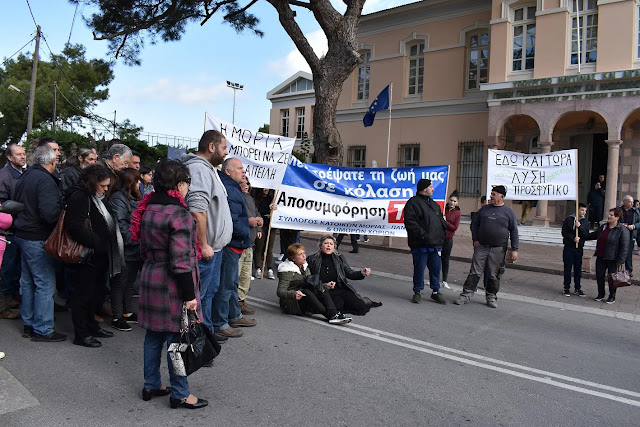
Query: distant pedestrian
point(492, 229)
point(631, 221)
point(115, 159)
point(146, 176)
point(354, 242)
point(452, 215)
point(426, 230)
point(527, 205)
point(38, 190)
point(595, 203)
point(69, 175)
point(613, 241)
point(573, 249)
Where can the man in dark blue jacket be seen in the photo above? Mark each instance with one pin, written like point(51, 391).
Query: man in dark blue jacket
point(573, 249)
point(426, 229)
point(226, 314)
point(38, 190)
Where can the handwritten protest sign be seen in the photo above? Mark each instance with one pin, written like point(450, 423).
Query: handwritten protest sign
point(264, 156)
point(337, 199)
point(546, 176)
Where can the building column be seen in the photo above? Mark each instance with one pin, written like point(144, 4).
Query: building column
point(610, 195)
point(541, 219)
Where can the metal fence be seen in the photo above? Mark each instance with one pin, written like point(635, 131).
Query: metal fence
point(470, 167)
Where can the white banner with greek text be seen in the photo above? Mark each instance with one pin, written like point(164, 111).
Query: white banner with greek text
point(264, 156)
point(545, 176)
point(337, 199)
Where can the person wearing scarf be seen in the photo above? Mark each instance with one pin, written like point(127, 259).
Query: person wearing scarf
point(169, 279)
point(89, 222)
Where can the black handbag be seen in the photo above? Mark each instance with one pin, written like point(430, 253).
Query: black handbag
point(195, 348)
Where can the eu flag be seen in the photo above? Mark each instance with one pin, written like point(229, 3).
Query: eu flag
point(380, 103)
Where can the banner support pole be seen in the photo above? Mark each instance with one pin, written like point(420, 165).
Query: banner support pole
point(577, 196)
point(389, 133)
point(266, 242)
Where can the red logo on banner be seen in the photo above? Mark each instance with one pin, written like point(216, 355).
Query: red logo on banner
point(395, 211)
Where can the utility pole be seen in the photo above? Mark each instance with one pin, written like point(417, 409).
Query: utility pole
point(55, 87)
point(32, 89)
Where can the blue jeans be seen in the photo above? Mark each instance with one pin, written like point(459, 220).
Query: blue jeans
point(10, 271)
point(226, 307)
point(38, 284)
point(153, 343)
point(572, 259)
point(209, 282)
point(430, 258)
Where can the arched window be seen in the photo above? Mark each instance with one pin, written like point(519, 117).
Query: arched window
point(416, 68)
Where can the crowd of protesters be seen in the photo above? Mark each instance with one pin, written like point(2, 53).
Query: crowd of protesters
point(196, 234)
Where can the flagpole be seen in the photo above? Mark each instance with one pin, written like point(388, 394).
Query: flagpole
point(389, 134)
point(578, 34)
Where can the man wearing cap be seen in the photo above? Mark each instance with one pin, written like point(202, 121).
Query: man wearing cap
point(426, 228)
point(491, 230)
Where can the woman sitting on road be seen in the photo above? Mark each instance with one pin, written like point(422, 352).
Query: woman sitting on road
point(332, 267)
point(167, 234)
point(611, 251)
point(299, 294)
point(103, 236)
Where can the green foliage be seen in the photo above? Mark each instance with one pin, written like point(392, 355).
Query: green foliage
point(88, 77)
point(162, 19)
point(264, 128)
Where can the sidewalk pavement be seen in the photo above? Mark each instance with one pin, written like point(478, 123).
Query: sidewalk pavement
point(538, 272)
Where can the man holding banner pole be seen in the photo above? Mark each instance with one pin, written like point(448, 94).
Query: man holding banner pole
point(491, 230)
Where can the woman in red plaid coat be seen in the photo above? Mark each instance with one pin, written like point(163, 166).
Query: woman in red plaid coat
point(167, 234)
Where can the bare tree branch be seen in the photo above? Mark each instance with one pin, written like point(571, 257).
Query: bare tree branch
point(239, 11)
point(289, 24)
point(300, 4)
point(124, 41)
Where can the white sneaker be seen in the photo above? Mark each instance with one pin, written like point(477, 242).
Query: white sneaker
point(340, 319)
point(258, 272)
point(253, 278)
point(446, 285)
point(270, 275)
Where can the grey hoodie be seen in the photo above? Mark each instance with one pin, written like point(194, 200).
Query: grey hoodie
point(207, 194)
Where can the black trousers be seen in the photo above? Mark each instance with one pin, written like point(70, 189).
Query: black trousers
point(90, 283)
point(602, 268)
point(354, 241)
point(317, 303)
point(347, 301)
point(446, 254)
point(122, 289)
point(287, 237)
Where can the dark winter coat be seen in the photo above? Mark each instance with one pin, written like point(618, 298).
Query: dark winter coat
point(170, 271)
point(122, 207)
point(424, 223)
point(8, 180)
point(241, 237)
point(68, 178)
point(636, 220)
point(96, 235)
point(345, 273)
point(453, 221)
point(569, 232)
point(617, 243)
point(38, 190)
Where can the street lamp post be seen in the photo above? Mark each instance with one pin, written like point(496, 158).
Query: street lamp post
point(235, 87)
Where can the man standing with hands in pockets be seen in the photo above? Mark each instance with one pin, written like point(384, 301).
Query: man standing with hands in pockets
point(491, 230)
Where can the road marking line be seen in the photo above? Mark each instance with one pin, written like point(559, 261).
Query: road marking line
point(379, 335)
point(530, 300)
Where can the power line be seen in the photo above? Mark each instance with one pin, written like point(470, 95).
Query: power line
point(73, 22)
point(18, 51)
point(92, 116)
point(31, 12)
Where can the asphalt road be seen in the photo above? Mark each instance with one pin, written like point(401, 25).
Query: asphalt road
point(402, 364)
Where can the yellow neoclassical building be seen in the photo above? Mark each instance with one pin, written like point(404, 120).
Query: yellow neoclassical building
point(520, 75)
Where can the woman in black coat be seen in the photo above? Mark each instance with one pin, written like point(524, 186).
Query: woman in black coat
point(332, 267)
point(123, 201)
point(89, 222)
point(611, 251)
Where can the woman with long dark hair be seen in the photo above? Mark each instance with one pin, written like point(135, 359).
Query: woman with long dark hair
point(123, 201)
point(168, 245)
point(90, 223)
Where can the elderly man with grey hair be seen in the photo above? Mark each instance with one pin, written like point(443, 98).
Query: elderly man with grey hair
point(115, 159)
point(38, 190)
point(631, 221)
